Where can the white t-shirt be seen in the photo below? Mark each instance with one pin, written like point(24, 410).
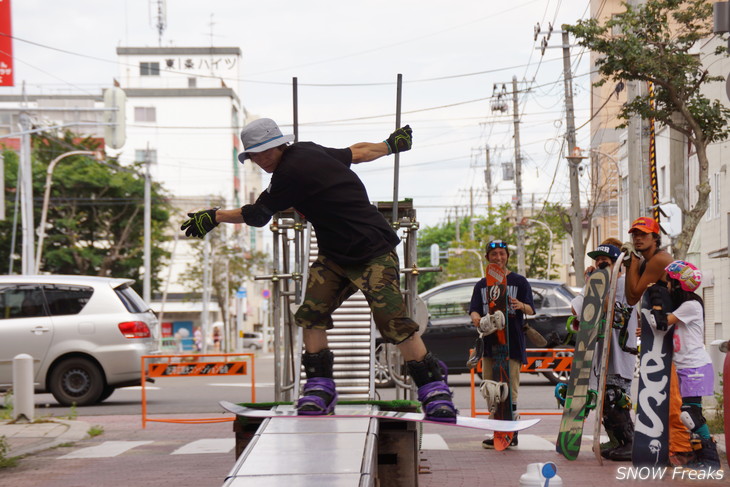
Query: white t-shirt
point(689, 343)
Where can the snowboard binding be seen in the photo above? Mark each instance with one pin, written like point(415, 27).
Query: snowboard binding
point(495, 393)
point(319, 397)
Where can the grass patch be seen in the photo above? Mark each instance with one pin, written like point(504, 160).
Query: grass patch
point(7, 410)
point(95, 430)
point(6, 462)
point(716, 421)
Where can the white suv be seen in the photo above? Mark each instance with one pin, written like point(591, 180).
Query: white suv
point(86, 334)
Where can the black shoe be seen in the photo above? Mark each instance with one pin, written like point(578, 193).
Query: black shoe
point(620, 453)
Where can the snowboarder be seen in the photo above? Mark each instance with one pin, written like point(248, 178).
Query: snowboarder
point(356, 251)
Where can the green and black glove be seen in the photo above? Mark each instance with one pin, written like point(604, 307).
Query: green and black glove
point(400, 141)
point(200, 223)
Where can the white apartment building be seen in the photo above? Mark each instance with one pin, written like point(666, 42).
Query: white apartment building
point(183, 116)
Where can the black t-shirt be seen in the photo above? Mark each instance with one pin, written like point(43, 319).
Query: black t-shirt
point(318, 182)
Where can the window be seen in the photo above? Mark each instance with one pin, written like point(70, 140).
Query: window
point(21, 301)
point(616, 29)
point(132, 301)
point(149, 69)
point(715, 195)
point(662, 187)
point(141, 155)
point(6, 123)
point(549, 297)
point(625, 191)
point(192, 82)
point(450, 302)
point(67, 300)
point(145, 114)
point(713, 206)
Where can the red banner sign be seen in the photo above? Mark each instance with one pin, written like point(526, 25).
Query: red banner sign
point(6, 45)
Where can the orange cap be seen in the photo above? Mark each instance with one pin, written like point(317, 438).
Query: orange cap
point(645, 224)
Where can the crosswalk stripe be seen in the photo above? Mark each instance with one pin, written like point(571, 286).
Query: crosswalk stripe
point(433, 442)
point(104, 450)
point(218, 445)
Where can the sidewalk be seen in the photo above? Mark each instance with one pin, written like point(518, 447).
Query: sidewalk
point(466, 464)
point(27, 438)
point(451, 456)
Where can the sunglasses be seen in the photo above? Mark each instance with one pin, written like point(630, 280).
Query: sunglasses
point(497, 244)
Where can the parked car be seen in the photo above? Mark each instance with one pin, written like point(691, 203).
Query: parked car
point(86, 334)
point(253, 340)
point(450, 332)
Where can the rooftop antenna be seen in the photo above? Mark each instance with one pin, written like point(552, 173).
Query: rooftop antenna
point(211, 24)
point(160, 18)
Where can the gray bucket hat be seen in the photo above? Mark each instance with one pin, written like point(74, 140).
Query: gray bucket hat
point(261, 135)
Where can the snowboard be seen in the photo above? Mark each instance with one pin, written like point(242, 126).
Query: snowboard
point(367, 411)
point(604, 354)
point(498, 302)
point(579, 398)
point(651, 431)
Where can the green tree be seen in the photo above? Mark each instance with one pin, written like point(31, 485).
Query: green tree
point(230, 267)
point(496, 224)
point(95, 221)
point(658, 43)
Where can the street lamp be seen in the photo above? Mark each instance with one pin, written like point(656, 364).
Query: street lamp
point(459, 251)
point(49, 173)
point(550, 250)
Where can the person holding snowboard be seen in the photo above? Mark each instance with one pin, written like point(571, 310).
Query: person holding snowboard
point(645, 264)
point(693, 363)
point(520, 304)
point(622, 363)
point(356, 252)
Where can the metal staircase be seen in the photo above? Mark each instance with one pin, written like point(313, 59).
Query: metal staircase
point(352, 343)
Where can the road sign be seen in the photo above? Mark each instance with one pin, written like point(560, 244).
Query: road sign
point(435, 254)
point(190, 369)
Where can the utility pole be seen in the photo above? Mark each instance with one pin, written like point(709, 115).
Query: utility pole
point(637, 145)
point(574, 158)
point(458, 224)
point(147, 278)
point(488, 177)
point(518, 180)
point(471, 214)
point(26, 195)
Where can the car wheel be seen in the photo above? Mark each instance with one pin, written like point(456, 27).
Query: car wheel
point(253, 347)
point(108, 391)
point(554, 376)
point(382, 374)
point(76, 381)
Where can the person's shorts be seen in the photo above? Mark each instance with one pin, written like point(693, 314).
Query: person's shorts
point(697, 381)
point(330, 284)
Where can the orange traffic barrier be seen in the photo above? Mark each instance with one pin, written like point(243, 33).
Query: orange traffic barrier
point(538, 360)
point(194, 369)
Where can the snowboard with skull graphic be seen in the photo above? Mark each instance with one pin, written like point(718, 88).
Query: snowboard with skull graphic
point(651, 431)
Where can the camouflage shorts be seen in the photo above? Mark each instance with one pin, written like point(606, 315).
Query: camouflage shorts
point(329, 285)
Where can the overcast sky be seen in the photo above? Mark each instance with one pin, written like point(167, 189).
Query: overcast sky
point(346, 56)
